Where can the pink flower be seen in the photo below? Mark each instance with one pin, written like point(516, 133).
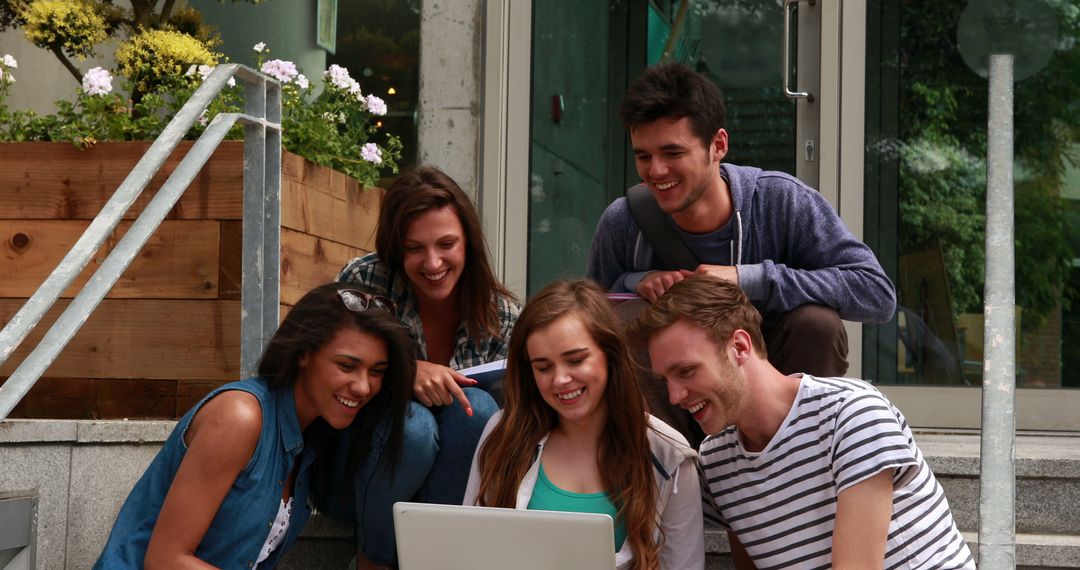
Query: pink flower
point(371, 153)
point(283, 71)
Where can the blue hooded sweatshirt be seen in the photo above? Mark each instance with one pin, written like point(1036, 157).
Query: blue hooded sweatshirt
point(789, 245)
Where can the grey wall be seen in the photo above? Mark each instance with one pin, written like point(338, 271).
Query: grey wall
point(81, 473)
point(41, 80)
point(449, 108)
point(286, 26)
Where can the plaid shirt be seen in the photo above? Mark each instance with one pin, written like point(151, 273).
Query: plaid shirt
point(377, 277)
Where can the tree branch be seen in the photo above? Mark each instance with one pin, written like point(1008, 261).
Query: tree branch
point(67, 63)
point(166, 10)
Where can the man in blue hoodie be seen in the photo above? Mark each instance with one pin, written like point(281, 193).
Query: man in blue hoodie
point(775, 237)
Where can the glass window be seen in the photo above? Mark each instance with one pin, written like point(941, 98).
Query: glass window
point(378, 41)
point(925, 197)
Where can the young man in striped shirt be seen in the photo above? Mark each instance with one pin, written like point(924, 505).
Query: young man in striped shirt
point(803, 472)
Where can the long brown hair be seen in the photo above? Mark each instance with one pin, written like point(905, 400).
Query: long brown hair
point(312, 323)
point(425, 188)
point(624, 456)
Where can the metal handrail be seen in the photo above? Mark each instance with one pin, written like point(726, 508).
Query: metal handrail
point(262, 212)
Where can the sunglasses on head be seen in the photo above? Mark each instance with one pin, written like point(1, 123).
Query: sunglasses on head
point(360, 301)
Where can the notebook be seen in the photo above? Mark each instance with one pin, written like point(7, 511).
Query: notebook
point(453, 537)
point(486, 374)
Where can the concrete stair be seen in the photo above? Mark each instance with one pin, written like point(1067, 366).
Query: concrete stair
point(1047, 495)
point(81, 471)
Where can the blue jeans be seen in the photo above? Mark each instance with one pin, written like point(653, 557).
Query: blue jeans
point(433, 468)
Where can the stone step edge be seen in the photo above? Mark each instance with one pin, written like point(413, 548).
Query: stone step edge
point(1049, 550)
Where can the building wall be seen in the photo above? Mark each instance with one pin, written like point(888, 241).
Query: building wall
point(40, 79)
point(449, 108)
point(287, 28)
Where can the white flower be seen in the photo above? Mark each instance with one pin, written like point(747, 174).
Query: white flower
point(302, 81)
point(371, 153)
point(339, 77)
point(97, 81)
point(338, 118)
point(9, 62)
point(375, 105)
point(203, 119)
point(283, 71)
point(259, 47)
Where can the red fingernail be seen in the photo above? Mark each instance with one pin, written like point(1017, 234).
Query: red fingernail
point(468, 411)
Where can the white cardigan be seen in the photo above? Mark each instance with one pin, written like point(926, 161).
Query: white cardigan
point(678, 502)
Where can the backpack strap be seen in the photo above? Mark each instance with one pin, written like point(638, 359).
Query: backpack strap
point(653, 223)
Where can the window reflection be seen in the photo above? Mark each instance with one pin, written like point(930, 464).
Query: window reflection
point(379, 42)
point(925, 198)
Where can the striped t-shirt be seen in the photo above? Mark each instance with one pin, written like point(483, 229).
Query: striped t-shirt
point(781, 501)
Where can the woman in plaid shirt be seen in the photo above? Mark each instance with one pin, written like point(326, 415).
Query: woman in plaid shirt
point(431, 260)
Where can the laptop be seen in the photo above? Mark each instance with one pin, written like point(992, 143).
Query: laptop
point(453, 537)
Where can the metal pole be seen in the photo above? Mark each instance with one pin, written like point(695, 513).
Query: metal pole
point(997, 516)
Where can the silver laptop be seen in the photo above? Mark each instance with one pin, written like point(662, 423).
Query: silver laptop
point(451, 537)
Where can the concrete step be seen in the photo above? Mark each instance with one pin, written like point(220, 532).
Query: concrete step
point(81, 471)
point(1048, 504)
point(1047, 479)
point(327, 544)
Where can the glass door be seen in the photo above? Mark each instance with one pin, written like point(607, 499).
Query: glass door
point(585, 53)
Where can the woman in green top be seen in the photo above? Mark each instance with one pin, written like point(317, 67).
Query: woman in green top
point(574, 434)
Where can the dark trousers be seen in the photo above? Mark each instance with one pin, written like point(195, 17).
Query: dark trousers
point(809, 339)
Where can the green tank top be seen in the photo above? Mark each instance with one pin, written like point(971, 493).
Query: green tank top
point(547, 497)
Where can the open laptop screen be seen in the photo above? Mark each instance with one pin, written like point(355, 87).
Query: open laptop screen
point(452, 537)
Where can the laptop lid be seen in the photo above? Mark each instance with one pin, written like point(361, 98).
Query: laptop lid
point(453, 537)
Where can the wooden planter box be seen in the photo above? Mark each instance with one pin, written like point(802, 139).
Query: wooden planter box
point(169, 331)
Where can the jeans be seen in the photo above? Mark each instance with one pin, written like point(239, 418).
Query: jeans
point(433, 468)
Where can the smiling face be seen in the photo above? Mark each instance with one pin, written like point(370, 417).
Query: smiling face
point(674, 164)
point(570, 370)
point(339, 378)
point(435, 254)
point(700, 375)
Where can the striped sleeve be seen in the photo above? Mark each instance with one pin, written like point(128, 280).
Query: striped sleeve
point(709, 510)
point(869, 439)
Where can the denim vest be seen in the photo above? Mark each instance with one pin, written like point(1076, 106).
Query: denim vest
point(243, 521)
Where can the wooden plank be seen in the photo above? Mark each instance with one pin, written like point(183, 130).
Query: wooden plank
point(57, 180)
point(304, 171)
point(143, 338)
point(307, 262)
point(230, 259)
point(189, 392)
point(350, 220)
point(91, 398)
point(180, 261)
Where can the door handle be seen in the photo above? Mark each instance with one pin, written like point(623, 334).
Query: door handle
point(794, 95)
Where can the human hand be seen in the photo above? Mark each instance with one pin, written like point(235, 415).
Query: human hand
point(656, 283)
point(728, 273)
point(438, 385)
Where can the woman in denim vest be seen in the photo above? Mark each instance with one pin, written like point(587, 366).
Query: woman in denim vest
point(230, 486)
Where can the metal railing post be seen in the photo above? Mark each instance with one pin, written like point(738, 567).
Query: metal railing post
point(260, 289)
point(997, 508)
